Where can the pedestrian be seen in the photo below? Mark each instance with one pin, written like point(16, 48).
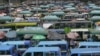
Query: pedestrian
point(89, 37)
point(2, 36)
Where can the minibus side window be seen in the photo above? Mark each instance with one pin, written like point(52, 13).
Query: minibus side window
point(48, 45)
point(8, 53)
point(96, 54)
point(63, 47)
point(51, 54)
point(51, 27)
point(89, 46)
point(74, 55)
point(28, 54)
point(38, 53)
point(62, 25)
point(22, 46)
point(85, 55)
point(40, 46)
point(82, 46)
point(92, 46)
point(4, 52)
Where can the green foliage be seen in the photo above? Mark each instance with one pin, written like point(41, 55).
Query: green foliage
point(67, 29)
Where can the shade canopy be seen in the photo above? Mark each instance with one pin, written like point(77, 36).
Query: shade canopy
point(51, 17)
point(32, 30)
point(2, 6)
point(96, 8)
point(58, 13)
point(25, 12)
point(95, 12)
point(6, 18)
point(71, 4)
point(11, 34)
point(51, 5)
point(71, 8)
point(53, 35)
point(72, 35)
point(67, 6)
point(34, 9)
point(91, 5)
point(38, 37)
point(95, 18)
point(44, 6)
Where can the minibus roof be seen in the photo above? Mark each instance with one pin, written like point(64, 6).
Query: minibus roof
point(89, 44)
point(5, 47)
point(85, 50)
point(52, 42)
point(16, 42)
point(43, 49)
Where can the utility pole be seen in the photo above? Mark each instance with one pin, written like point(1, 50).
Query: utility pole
point(37, 5)
point(9, 8)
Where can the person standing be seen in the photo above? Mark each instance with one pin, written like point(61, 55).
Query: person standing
point(2, 36)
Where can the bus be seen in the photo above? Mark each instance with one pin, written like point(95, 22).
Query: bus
point(42, 51)
point(63, 45)
point(71, 24)
point(8, 50)
point(21, 46)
